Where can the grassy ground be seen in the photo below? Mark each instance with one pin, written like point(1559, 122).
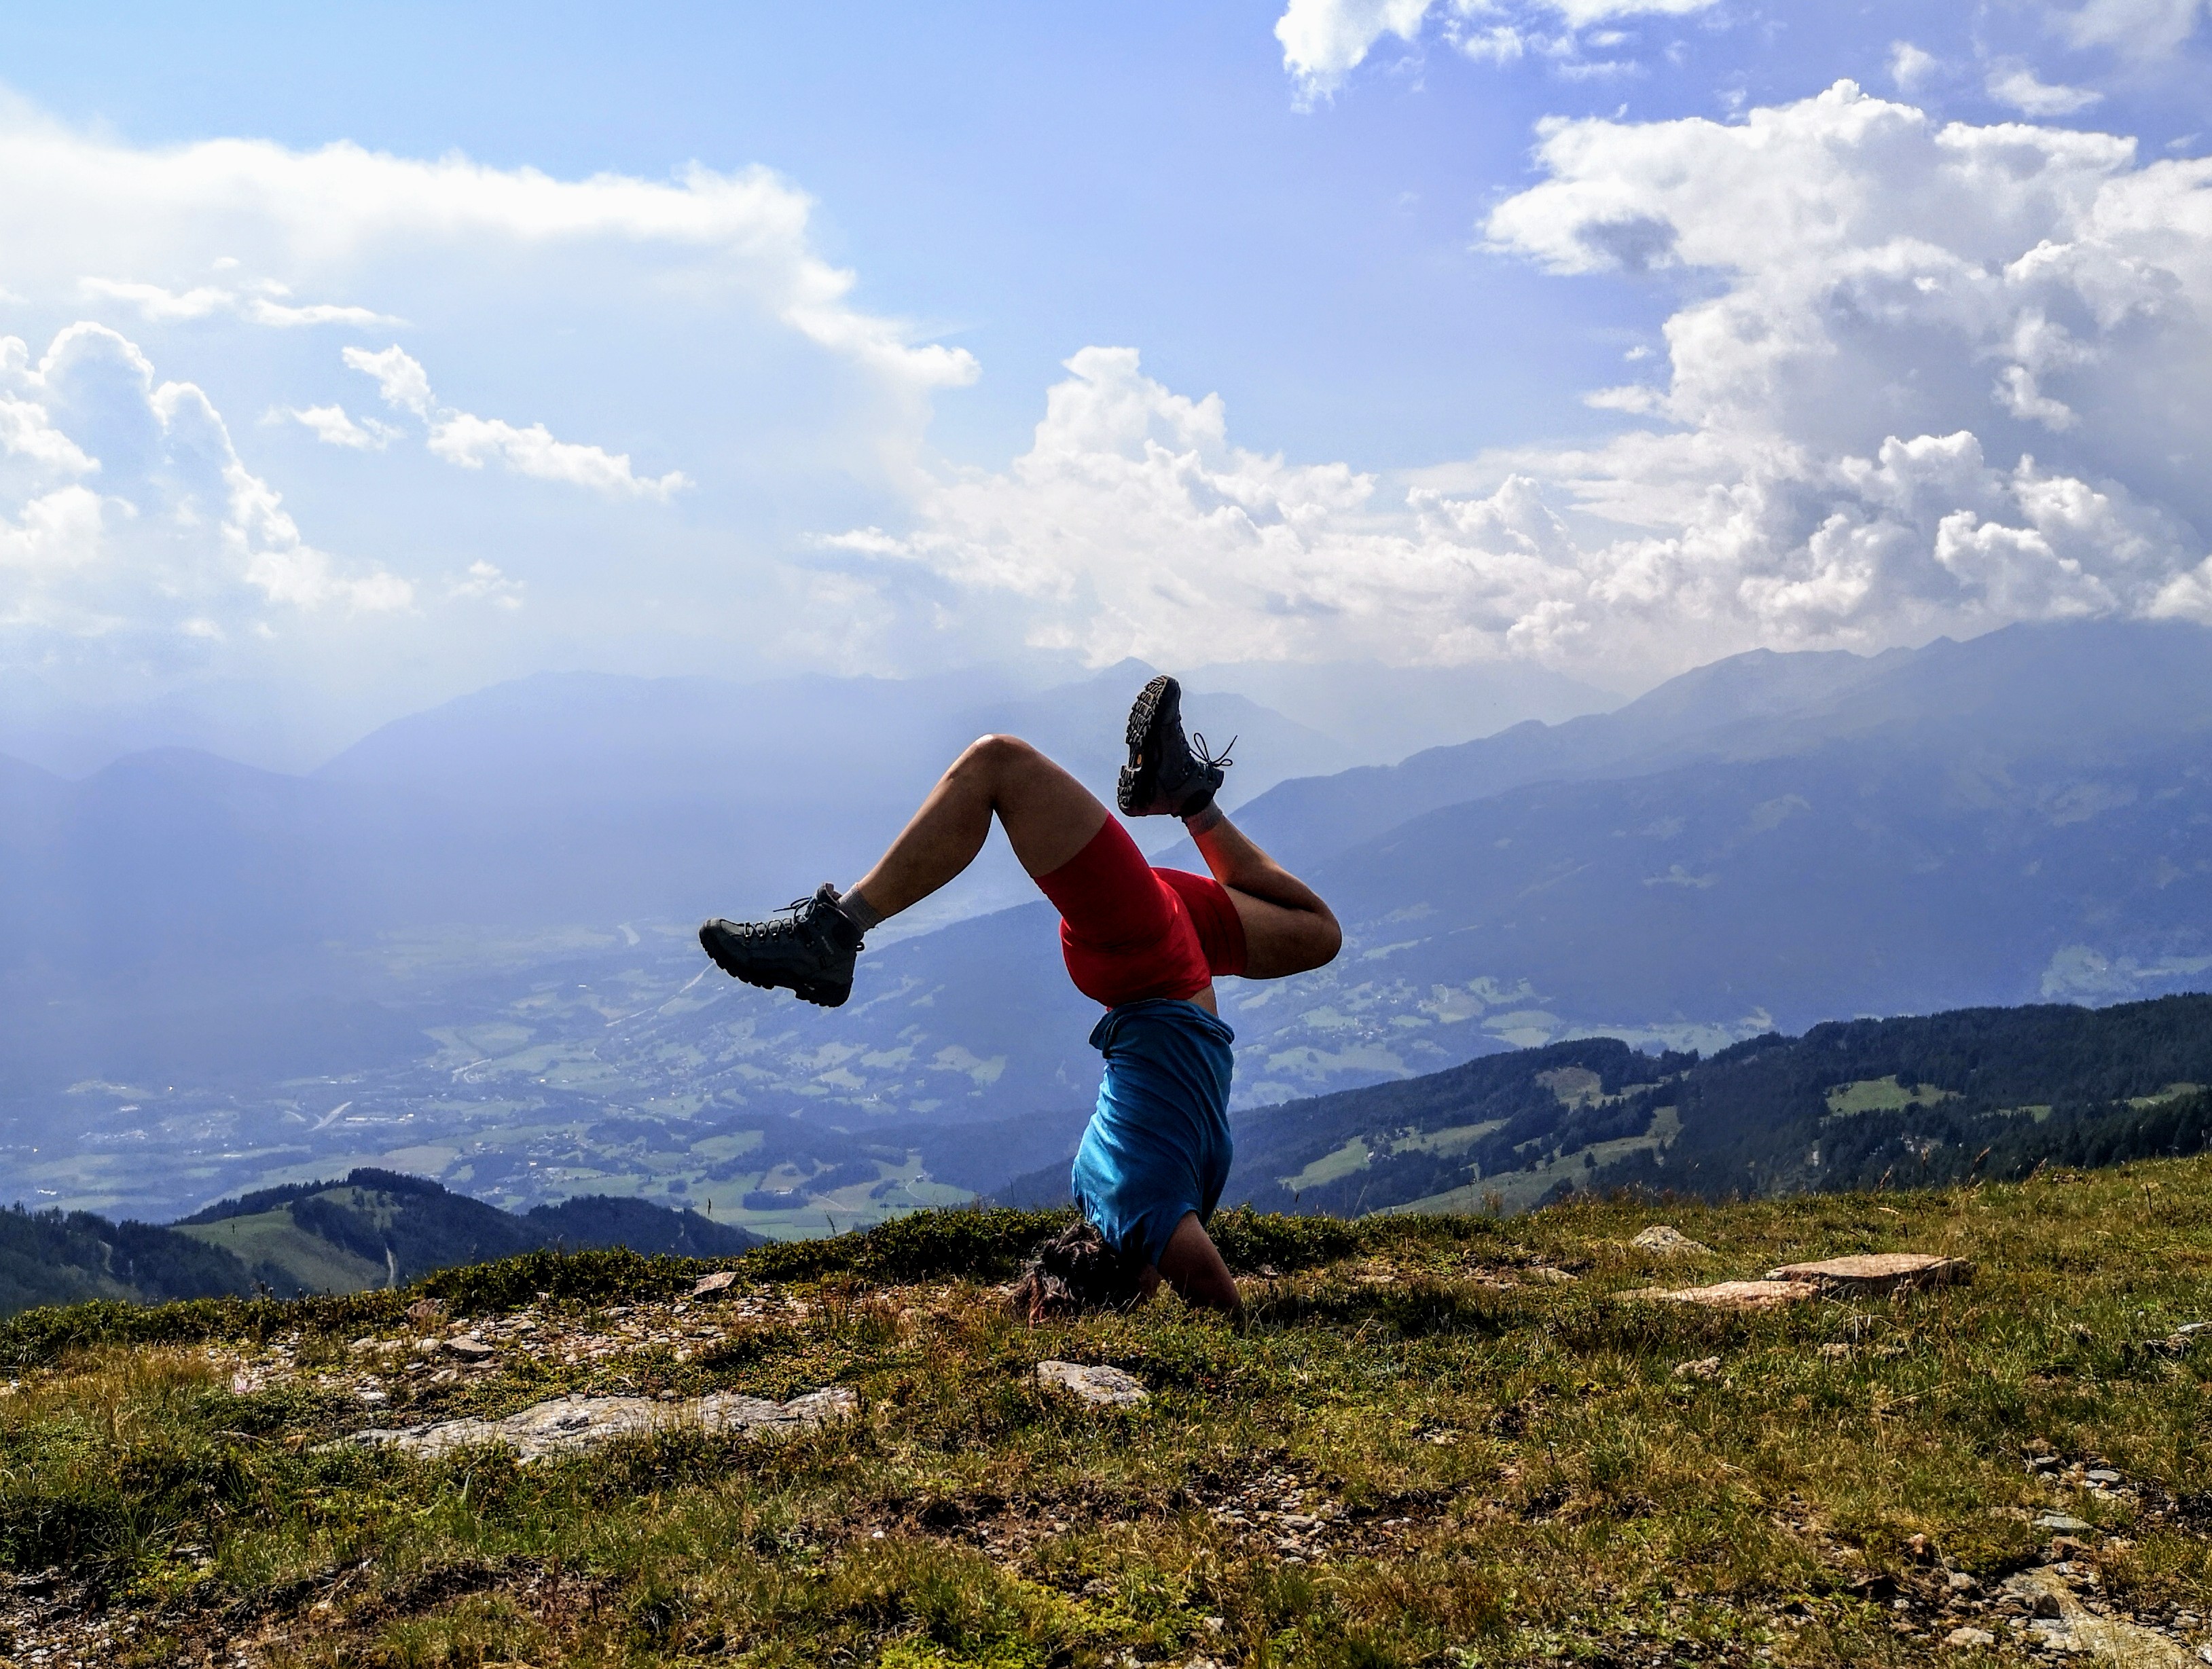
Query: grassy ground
point(1426, 1446)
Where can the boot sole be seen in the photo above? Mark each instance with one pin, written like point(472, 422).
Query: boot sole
point(807, 991)
point(1143, 712)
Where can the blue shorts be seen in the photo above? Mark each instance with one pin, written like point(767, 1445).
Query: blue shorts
point(1158, 1144)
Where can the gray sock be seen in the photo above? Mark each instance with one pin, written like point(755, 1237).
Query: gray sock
point(862, 915)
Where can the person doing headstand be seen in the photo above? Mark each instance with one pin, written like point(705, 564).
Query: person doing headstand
point(1144, 942)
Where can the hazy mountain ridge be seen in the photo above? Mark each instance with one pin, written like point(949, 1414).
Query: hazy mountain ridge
point(1771, 841)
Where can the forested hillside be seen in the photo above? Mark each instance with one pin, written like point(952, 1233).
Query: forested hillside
point(1985, 1092)
point(374, 1228)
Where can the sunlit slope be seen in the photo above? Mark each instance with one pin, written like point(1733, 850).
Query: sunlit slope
point(1437, 1441)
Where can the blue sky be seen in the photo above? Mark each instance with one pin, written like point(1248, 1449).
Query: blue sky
point(1404, 305)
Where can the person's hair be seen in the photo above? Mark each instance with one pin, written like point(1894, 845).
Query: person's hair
point(1073, 1272)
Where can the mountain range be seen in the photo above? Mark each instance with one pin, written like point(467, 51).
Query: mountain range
point(463, 948)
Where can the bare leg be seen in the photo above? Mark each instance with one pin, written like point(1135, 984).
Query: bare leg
point(1191, 1263)
point(1288, 928)
point(1047, 814)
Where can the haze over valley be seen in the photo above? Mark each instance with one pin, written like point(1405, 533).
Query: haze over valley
point(463, 949)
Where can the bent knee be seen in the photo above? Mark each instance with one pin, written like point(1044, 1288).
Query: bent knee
point(1328, 940)
point(997, 755)
point(1315, 943)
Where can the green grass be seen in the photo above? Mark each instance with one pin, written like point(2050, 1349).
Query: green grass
point(1498, 1468)
point(272, 1238)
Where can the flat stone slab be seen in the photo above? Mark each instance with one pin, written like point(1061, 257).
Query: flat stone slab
point(1106, 1387)
point(714, 1285)
point(1877, 1272)
point(1731, 1295)
point(574, 1423)
point(1668, 1243)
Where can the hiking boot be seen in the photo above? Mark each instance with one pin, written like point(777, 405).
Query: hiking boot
point(808, 947)
point(1165, 777)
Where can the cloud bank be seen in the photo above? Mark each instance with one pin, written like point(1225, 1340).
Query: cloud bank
point(1934, 377)
point(146, 548)
point(126, 514)
point(80, 210)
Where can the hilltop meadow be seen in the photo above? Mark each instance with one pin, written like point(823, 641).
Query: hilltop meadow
point(1434, 1440)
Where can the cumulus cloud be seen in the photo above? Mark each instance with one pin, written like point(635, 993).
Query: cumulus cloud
point(464, 439)
point(1325, 40)
point(1929, 378)
point(126, 514)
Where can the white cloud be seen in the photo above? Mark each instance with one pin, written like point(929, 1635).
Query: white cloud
point(324, 218)
point(459, 437)
point(404, 384)
point(166, 307)
point(1325, 40)
point(1928, 379)
point(126, 514)
point(333, 427)
point(485, 583)
point(1910, 68)
point(2016, 84)
point(464, 439)
point(2138, 29)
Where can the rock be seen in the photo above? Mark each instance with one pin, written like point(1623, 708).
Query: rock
point(469, 1347)
point(1969, 1637)
point(714, 1285)
point(1551, 1277)
point(1877, 1272)
point(572, 1423)
point(1709, 1368)
point(2103, 1475)
point(1668, 1243)
point(1732, 1295)
point(2078, 1629)
point(1107, 1387)
point(2061, 1521)
point(427, 1312)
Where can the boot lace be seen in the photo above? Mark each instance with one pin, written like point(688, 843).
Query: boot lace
point(783, 925)
point(1206, 760)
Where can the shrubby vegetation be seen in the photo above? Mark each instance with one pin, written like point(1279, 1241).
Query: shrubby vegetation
point(1444, 1442)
